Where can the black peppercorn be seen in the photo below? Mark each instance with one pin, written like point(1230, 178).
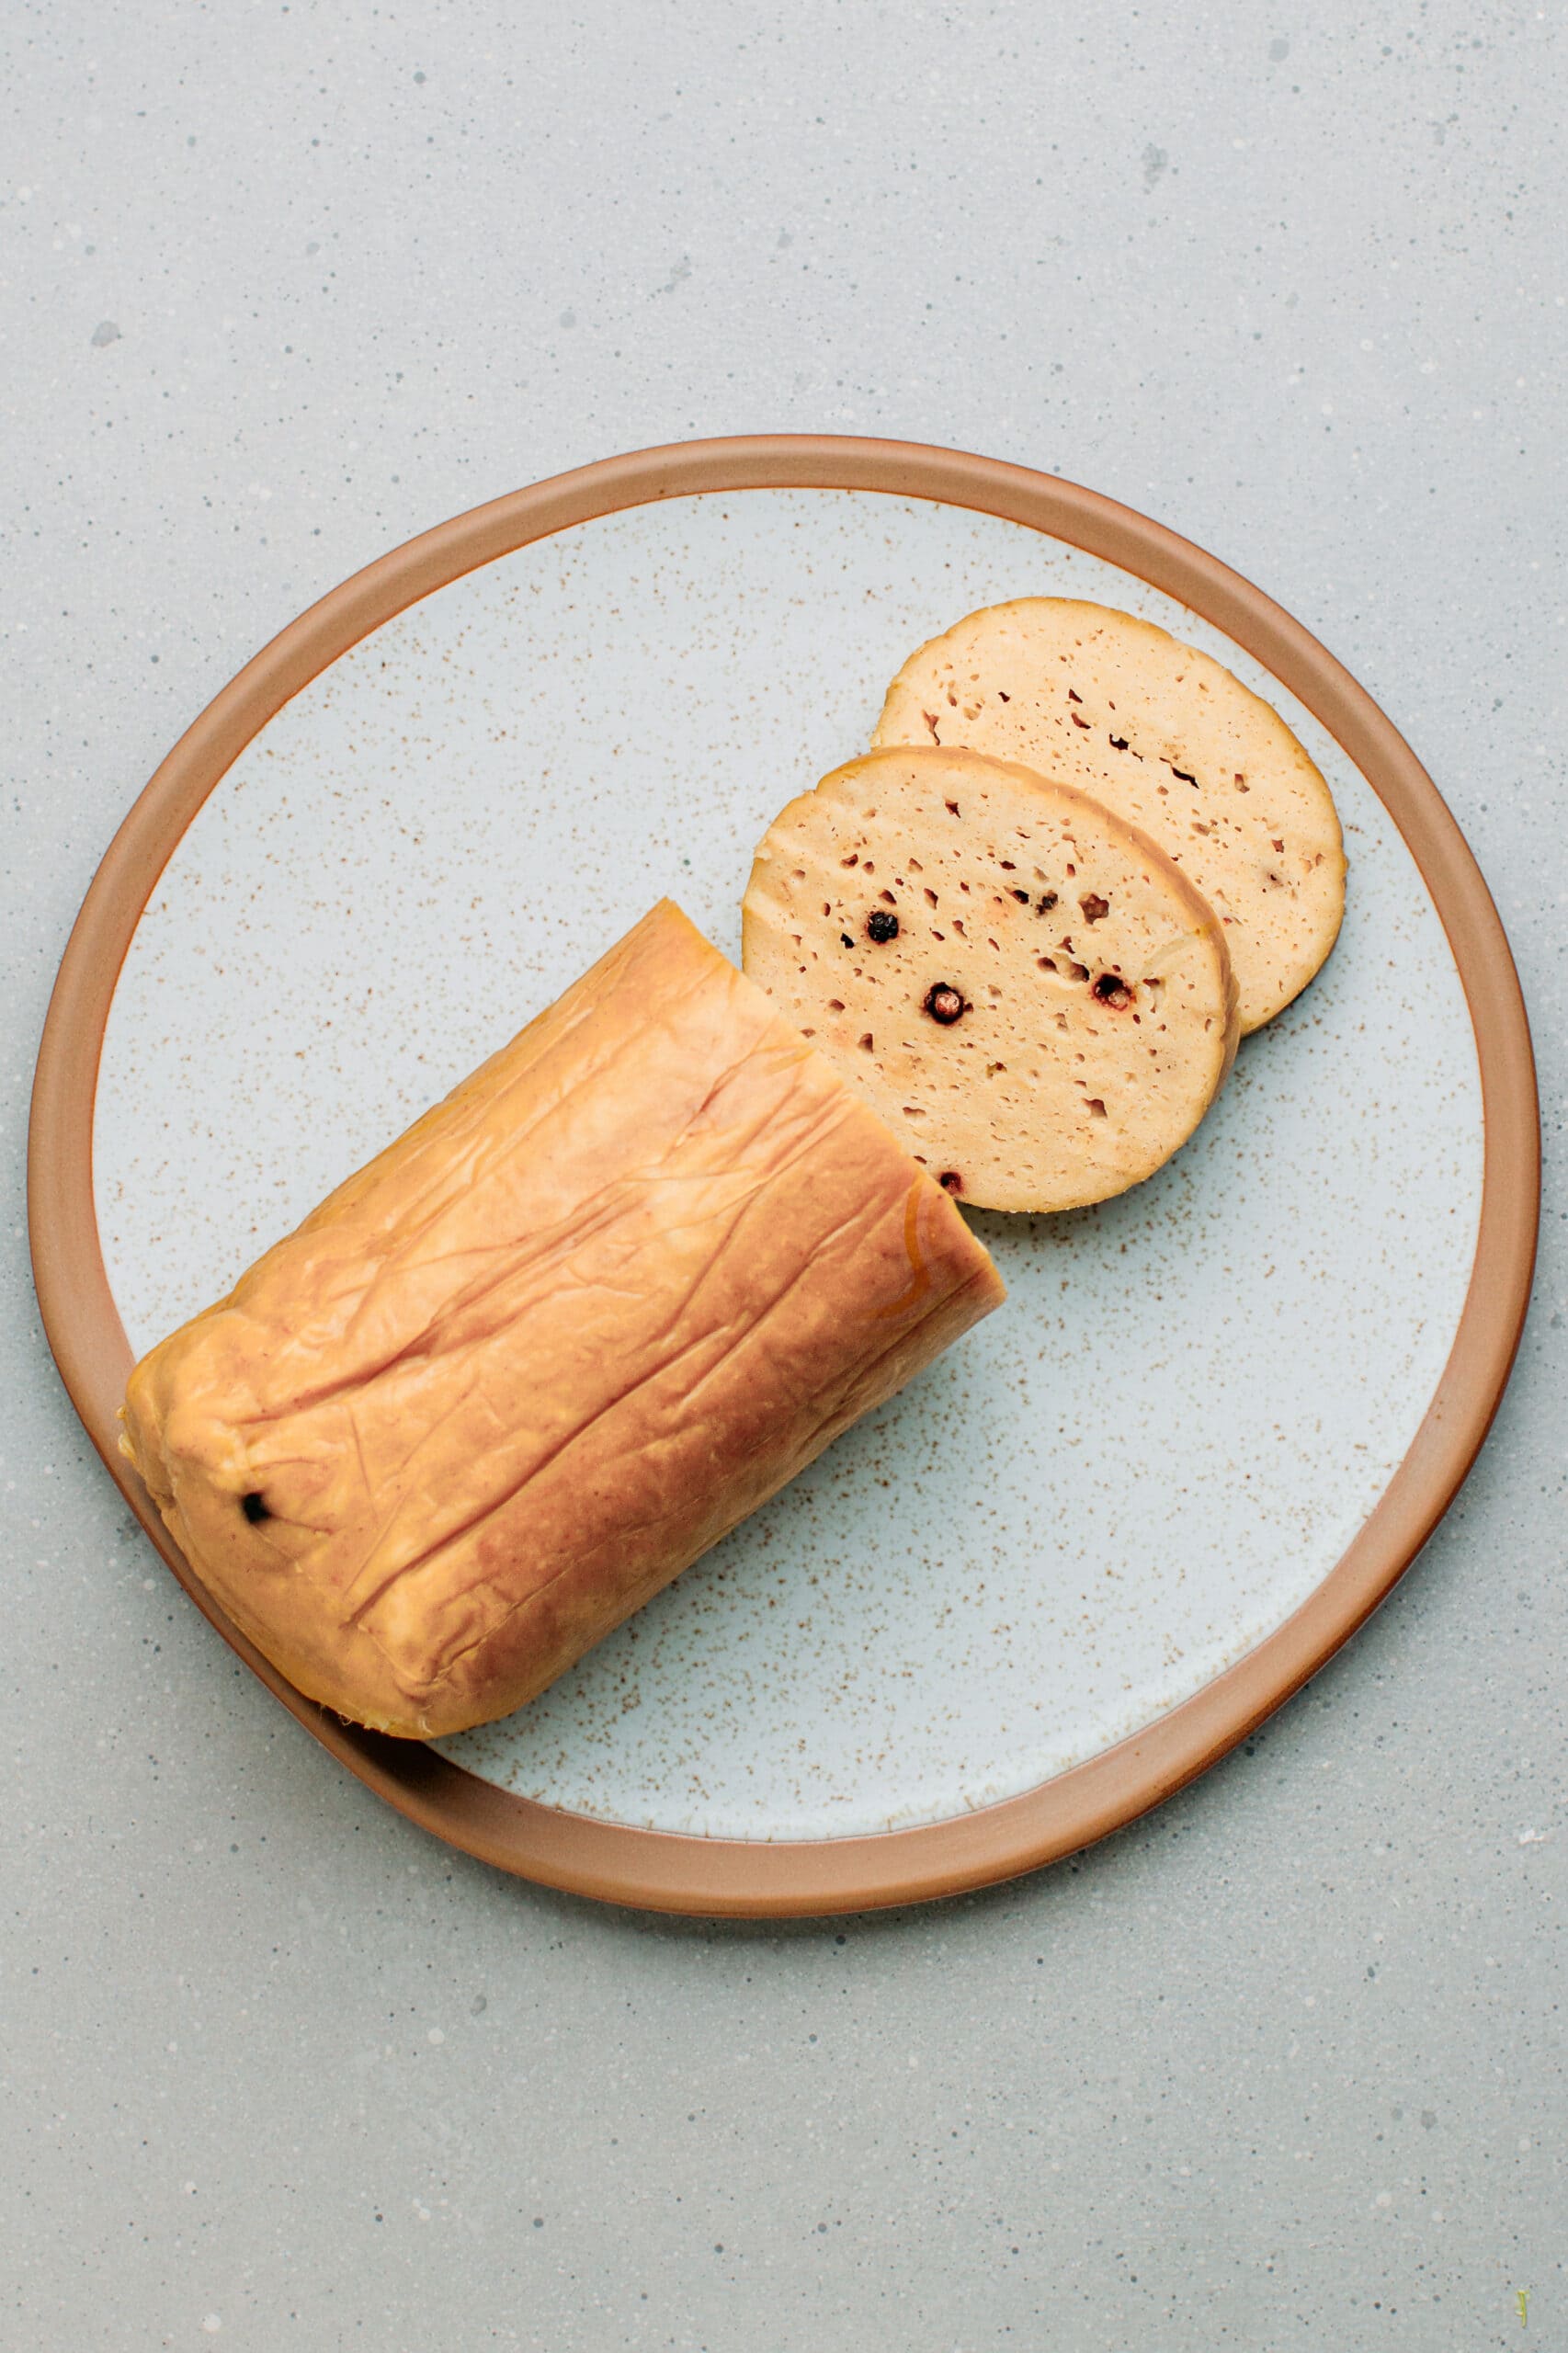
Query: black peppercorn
point(943, 1002)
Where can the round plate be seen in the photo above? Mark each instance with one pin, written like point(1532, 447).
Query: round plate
point(1106, 1535)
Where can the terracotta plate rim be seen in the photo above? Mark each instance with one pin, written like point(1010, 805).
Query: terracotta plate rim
point(662, 1870)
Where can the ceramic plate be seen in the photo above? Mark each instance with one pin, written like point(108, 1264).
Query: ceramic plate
point(1088, 1550)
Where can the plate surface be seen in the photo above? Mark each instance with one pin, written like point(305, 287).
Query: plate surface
point(1196, 1394)
point(1150, 1468)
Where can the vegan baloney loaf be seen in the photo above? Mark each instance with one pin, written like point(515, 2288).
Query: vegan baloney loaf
point(1167, 739)
point(511, 1378)
point(1021, 983)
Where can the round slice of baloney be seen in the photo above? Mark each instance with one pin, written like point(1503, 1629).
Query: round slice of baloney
point(1034, 998)
point(1168, 739)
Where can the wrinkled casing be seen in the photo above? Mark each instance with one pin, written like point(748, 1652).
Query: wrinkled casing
point(514, 1376)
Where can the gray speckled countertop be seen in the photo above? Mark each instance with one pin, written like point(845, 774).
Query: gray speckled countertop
point(1284, 2064)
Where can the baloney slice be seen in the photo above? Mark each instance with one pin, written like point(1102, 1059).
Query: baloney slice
point(1021, 983)
point(1169, 740)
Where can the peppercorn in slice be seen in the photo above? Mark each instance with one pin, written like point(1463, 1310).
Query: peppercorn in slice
point(1028, 990)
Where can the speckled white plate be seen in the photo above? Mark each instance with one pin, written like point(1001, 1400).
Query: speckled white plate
point(1125, 1483)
